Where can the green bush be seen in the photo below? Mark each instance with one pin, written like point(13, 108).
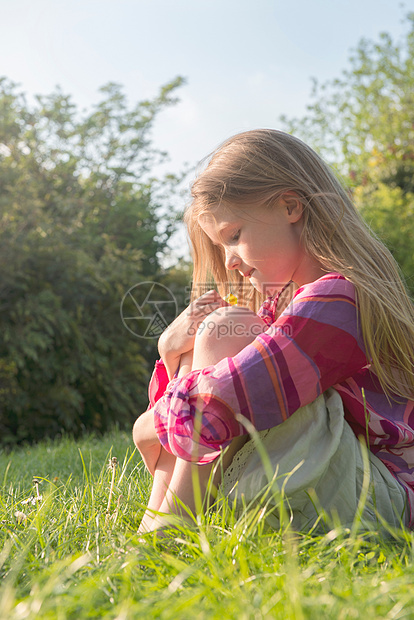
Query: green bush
point(80, 224)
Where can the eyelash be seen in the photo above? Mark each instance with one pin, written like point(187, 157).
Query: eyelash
point(233, 239)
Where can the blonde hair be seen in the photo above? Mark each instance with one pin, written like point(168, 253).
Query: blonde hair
point(258, 167)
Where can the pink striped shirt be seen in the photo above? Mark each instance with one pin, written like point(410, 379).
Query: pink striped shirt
point(313, 345)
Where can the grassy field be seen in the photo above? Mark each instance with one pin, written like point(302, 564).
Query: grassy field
point(65, 554)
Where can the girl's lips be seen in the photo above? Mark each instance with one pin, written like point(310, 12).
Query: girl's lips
point(248, 274)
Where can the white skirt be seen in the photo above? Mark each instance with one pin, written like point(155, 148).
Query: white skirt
point(313, 471)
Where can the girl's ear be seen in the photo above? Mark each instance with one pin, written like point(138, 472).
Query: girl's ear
point(293, 205)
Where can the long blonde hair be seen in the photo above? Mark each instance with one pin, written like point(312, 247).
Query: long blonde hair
point(257, 167)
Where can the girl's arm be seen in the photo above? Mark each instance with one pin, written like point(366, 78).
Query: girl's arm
point(179, 337)
point(315, 344)
point(175, 347)
point(144, 434)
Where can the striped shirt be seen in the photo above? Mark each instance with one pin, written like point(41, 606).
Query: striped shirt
point(313, 345)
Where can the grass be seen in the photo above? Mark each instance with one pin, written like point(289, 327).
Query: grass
point(65, 556)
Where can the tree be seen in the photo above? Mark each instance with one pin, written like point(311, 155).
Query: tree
point(363, 124)
point(80, 223)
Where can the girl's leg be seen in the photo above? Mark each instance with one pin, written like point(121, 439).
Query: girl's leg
point(224, 333)
point(164, 468)
point(161, 482)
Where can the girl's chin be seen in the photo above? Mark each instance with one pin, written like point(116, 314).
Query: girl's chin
point(268, 290)
point(257, 285)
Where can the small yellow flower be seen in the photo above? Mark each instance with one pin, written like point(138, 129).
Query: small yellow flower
point(231, 299)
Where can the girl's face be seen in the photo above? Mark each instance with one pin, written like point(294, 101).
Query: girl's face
point(264, 244)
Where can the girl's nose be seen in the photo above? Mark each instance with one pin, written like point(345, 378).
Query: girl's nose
point(231, 260)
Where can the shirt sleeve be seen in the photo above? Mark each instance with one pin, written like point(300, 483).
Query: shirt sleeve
point(314, 344)
point(158, 383)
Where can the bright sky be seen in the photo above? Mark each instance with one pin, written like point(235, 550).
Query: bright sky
point(246, 62)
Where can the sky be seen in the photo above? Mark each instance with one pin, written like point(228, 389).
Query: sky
point(245, 62)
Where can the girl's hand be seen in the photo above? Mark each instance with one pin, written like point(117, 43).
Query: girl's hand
point(179, 337)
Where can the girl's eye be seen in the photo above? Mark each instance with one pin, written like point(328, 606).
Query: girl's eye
point(236, 236)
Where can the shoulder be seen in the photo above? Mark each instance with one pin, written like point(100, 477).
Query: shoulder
point(330, 287)
point(329, 301)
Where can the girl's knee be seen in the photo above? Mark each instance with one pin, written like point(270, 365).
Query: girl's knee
point(136, 434)
point(231, 322)
point(224, 333)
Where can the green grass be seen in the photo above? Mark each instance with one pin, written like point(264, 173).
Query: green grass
point(68, 558)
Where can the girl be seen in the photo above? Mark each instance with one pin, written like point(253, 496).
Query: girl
point(328, 357)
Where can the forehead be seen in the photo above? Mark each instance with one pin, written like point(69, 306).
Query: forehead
point(213, 224)
point(219, 219)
